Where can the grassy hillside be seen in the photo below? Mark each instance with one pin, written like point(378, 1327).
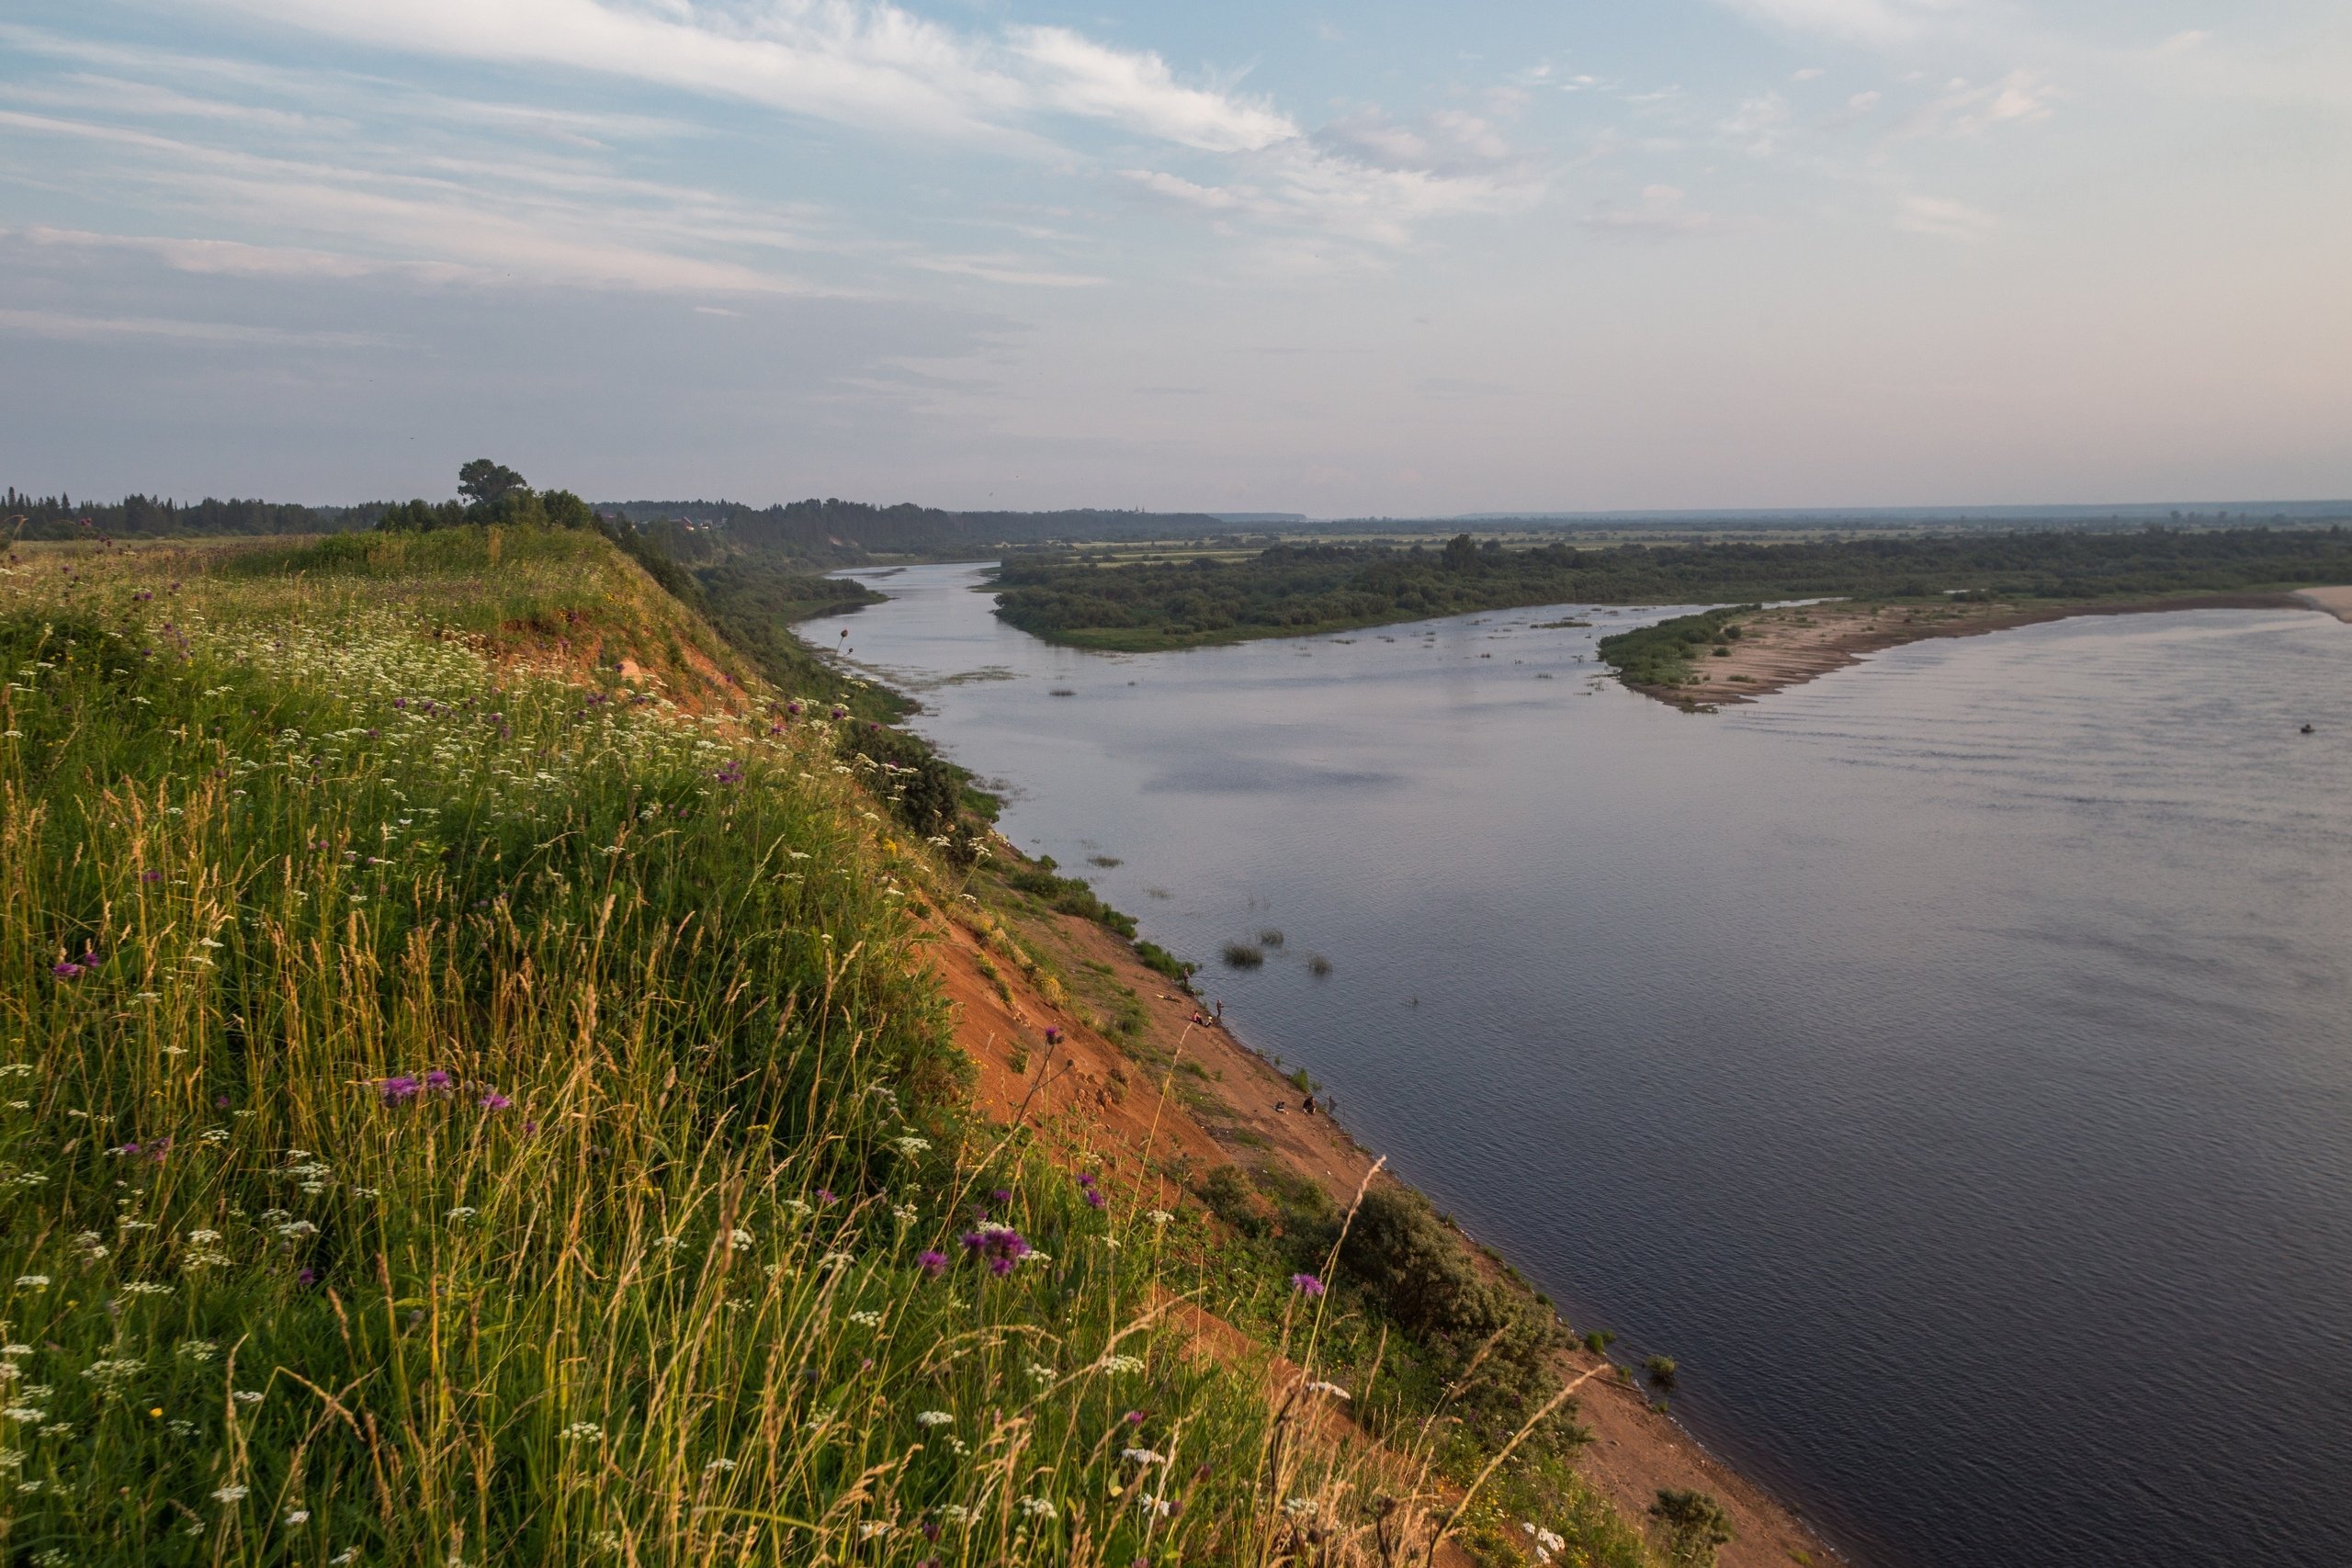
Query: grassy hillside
point(477, 1091)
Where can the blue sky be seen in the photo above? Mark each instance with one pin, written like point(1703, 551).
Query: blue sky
point(1371, 259)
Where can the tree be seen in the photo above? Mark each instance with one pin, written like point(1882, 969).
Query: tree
point(1693, 1525)
point(1461, 554)
point(487, 483)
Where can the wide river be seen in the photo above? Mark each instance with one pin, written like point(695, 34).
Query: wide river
point(1948, 1062)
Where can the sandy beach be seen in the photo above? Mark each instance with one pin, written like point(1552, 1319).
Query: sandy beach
point(2336, 602)
point(1784, 647)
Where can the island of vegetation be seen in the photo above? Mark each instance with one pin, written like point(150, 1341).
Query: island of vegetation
point(1302, 590)
point(505, 1068)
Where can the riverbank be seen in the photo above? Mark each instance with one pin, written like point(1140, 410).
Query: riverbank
point(1787, 645)
point(1176, 1100)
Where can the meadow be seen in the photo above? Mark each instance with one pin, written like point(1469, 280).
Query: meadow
point(472, 1090)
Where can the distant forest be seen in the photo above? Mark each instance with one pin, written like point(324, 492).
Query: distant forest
point(825, 533)
point(138, 517)
point(1292, 590)
point(843, 533)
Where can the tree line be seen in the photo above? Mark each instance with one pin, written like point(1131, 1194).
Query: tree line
point(1291, 590)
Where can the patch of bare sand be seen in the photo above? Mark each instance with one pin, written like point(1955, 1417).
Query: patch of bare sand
point(2336, 602)
point(1789, 646)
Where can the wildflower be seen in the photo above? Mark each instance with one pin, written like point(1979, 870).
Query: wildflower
point(835, 1261)
point(934, 1419)
point(439, 1081)
point(230, 1494)
point(904, 1214)
point(495, 1100)
point(719, 1466)
point(1299, 1507)
point(872, 1528)
point(740, 1240)
point(1038, 1508)
point(25, 1414)
point(826, 1198)
point(203, 1238)
point(247, 1396)
point(461, 1213)
point(198, 1349)
point(1042, 1372)
point(298, 1516)
point(1121, 1363)
point(1306, 1285)
point(910, 1146)
point(1332, 1389)
point(32, 1281)
point(867, 1319)
point(934, 1263)
point(1142, 1456)
point(1053, 1035)
point(1094, 1198)
point(1159, 1216)
point(1002, 1246)
point(1133, 1418)
point(957, 1514)
point(582, 1432)
point(65, 969)
point(346, 1558)
point(397, 1090)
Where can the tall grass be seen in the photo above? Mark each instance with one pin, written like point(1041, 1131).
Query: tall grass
point(452, 1116)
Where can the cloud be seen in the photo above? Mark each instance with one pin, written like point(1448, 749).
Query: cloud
point(1139, 92)
point(855, 62)
point(99, 329)
point(2182, 42)
point(2019, 98)
point(1005, 269)
point(1660, 214)
point(1943, 219)
point(1855, 21)
point(1759, 124)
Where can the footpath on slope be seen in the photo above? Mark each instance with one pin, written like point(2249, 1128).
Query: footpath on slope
point(1089, 1087)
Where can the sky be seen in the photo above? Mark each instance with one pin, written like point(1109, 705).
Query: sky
point(1372, 259)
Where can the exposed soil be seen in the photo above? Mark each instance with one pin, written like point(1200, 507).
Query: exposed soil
point(1152, 1121)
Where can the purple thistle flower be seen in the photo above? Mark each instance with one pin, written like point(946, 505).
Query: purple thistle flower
point(840, 712)
point(1001, 1195)
point(65, 969)
point(1053, 1035)
point(931, 1529)
point(397, 1090)
point(439, 1081)
point(1094, 1198)
point(934, 1263)
point(151, 877)
point(306, 1277)
point(1135, 1417)
point(495, 1100)
point(1000, 1267)
point(825, 1196)
point(1306, 1285)
point(793, 708)
point(127, 1149)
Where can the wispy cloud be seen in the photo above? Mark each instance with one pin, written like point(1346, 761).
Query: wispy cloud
point(1941, 219)
point(855, 62)
point(99, 329)
point(1662, 212)
point(1869, 21)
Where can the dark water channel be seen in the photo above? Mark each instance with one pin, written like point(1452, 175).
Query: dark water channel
point(1948, 1062)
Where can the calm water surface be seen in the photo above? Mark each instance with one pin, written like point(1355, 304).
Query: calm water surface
point(1948, 1062)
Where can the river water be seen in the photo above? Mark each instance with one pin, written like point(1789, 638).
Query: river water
point(1948, 1062)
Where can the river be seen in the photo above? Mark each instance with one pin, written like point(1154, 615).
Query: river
point(1948, 1062)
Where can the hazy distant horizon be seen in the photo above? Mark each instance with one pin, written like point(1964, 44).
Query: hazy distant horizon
point(1502, 258)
